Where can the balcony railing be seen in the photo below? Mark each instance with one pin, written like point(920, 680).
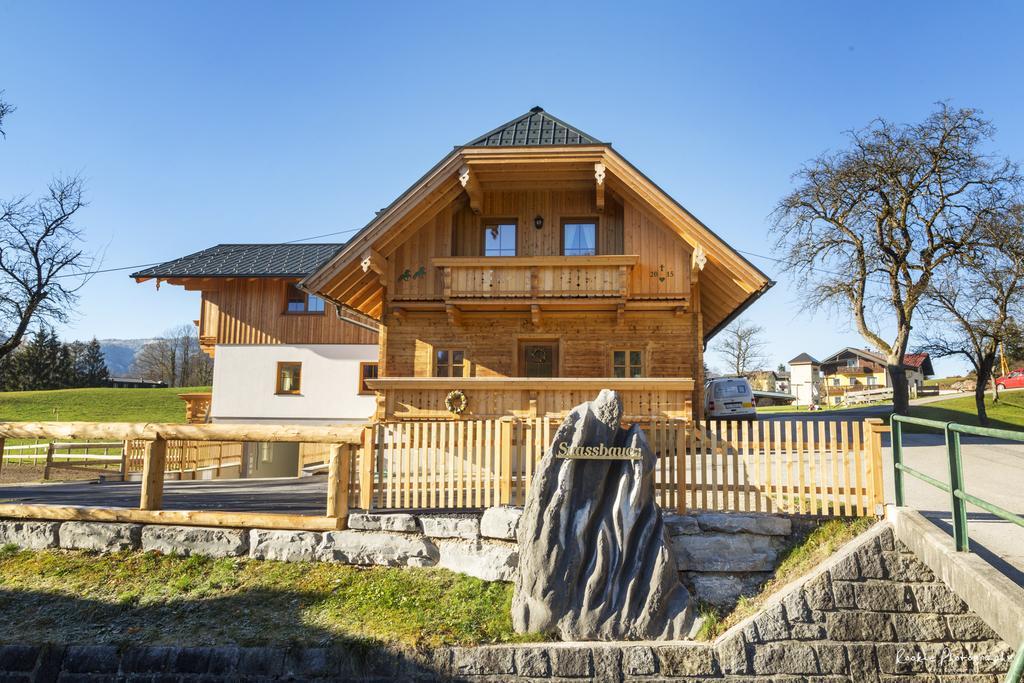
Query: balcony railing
point(536, 277)
point(855, 370)
point(423, 398)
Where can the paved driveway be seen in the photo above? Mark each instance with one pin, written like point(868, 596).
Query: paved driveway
point(993, 471)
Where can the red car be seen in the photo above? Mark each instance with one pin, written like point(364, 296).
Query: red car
point(1015, 380)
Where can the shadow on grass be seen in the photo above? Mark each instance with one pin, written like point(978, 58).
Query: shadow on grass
point(141, 635)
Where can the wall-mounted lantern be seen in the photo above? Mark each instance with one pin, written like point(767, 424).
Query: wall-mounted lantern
point(538, 222)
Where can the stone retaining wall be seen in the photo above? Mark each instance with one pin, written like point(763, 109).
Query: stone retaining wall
point(871, 613)
point(721, 555)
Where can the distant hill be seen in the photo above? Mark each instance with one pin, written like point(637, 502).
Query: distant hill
point(120, 354)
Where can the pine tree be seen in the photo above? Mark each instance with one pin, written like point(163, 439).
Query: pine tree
point(44, 362)
point(91, 365)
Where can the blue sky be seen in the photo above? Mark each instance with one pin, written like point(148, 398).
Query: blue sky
point(197, 123)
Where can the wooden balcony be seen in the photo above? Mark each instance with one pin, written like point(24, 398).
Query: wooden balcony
point(483, 279)
point(856, 370)
point(423, 398)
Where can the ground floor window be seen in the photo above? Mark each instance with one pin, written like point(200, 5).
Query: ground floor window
point(449, 363)
point(367, 371)
point(627, 363)
point(289, 378)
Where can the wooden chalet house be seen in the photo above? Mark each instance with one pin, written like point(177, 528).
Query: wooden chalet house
point(527, 270)
point(530, 268)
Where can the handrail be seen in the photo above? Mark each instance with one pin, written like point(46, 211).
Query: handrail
point(956, 488)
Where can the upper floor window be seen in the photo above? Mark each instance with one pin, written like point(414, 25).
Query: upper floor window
point(500, 239)
point(299, 301)
point(579, 238)
point(449, 363)
point(367, 370)
point(289, 378)
point(627, 364)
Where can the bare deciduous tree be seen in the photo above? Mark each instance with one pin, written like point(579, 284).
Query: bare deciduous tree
point(175, 358)
point(742, 347)
point(973, 308)
point(5, 109)
point(42, 263)
point(868, 227)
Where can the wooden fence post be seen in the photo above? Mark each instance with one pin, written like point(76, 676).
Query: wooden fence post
point(875, 464)
point(49, 461)
point(337, 484)
point(680, 463)
point(366, 461)
point(153, 469)
point(125, 447)
point(506, 462)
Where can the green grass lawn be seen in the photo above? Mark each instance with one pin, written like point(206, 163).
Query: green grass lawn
point(95, 405)
point(136, 598)
point(1007, 414)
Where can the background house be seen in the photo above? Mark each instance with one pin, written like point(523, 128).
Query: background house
point(805, 380)
point(853, 370)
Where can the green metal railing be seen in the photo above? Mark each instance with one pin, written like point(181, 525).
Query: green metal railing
point(959, 497)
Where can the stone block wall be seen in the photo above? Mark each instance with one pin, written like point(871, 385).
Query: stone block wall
point(721, 555)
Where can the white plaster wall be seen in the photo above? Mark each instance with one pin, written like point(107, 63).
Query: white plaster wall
point(245, 379)
point(801, 383)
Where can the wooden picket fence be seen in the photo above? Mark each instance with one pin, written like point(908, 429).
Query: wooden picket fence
point(184, 456)
point(829, 468)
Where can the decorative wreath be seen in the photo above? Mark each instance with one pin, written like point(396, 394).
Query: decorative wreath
point(456, 402)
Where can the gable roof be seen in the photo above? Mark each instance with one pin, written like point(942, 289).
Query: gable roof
point(533, 129)
point(733, 282)
point(804, 359)
point(246, 260)
point(863, 353)
point(919, 361)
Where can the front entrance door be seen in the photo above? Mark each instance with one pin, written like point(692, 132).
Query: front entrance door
point(538, 359)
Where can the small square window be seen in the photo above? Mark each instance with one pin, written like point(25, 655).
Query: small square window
point(298, 301)
point(366, 371)
point(627, 363)
point(289, 378)
point(449, 363)
point(579, 239)
point(500, 239)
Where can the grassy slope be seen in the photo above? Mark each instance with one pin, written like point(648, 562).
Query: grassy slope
point(134, 598)
point(95, 405)
point(1007, 414)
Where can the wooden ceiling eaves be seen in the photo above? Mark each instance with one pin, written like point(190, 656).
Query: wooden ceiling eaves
point(626, 176)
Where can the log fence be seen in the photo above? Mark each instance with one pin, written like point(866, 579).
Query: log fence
point(812, 467)
point(159, 444)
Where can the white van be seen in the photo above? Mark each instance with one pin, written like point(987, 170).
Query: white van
point(729, 397)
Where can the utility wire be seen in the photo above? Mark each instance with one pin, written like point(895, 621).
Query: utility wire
point(240, 249)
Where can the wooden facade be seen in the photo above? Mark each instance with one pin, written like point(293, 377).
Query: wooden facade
point(528, 329)
point(253, 311)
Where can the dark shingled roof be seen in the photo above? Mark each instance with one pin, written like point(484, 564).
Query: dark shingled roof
point(804, 358)
point(246, 260)
point(534, 128)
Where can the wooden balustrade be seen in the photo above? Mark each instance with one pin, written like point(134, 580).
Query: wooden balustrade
point(423, 398)
point(538, 277)
point(197, 407)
